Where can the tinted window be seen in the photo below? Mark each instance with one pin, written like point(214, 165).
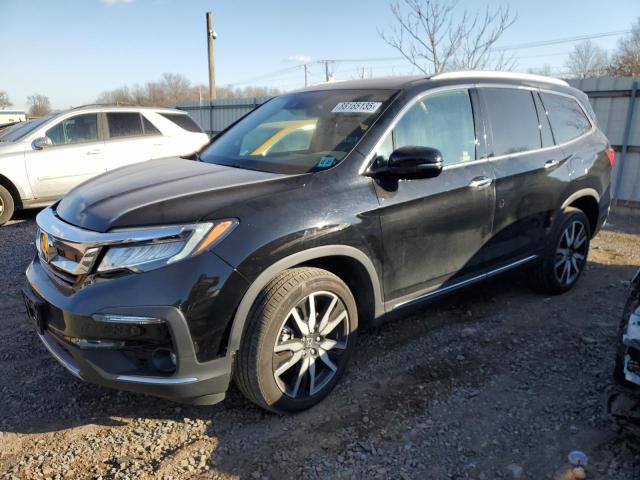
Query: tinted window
point(78, 129)
point(183, 121)
point(443, 121)
point(568, 121)
point(513, 118)
point(124, 124)
point(149, 128)
point(543, 122)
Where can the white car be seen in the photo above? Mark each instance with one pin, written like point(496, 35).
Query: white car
point(43, 159)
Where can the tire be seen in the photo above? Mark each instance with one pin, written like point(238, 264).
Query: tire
point(565, 254)
point(7, 205)
point(278, 354)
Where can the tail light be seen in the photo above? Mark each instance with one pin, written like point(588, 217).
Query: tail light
point(611, 155)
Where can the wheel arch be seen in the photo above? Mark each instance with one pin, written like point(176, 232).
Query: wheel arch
point(587, 200)
point(13, 190)
point(338, 259)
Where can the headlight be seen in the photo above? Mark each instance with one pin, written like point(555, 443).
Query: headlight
point(150, 254)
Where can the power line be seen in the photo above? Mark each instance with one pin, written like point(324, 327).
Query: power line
point(542, 43)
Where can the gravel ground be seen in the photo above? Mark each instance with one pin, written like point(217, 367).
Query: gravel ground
point(493, 382)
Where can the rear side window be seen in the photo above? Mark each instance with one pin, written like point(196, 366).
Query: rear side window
point(567, 118)
point(443, 121)
point(149, 128)
point(124, 124)
point(513, 118)
point(183, 121)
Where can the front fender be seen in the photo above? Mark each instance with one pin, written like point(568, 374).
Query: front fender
point(269, 273)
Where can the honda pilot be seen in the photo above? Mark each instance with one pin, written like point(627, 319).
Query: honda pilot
point(320, 212)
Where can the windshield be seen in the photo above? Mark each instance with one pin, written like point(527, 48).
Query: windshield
point(299, 132)
point(19, 131)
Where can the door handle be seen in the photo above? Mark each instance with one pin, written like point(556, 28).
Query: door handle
point(93, 152)
point(551, 163)
point(480, 182)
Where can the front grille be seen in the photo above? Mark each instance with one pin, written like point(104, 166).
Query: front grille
point(60, 276)
point(68, 263)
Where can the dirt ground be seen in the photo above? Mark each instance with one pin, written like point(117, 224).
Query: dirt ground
point(493, 382)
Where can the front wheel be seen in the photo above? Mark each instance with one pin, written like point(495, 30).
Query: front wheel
point(299, 336)
point(7, 205)
point(565, 255)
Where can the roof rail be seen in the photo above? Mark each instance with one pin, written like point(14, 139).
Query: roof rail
point(507, 75)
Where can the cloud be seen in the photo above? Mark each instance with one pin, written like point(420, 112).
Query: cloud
point(111, 3)
point(299, 58)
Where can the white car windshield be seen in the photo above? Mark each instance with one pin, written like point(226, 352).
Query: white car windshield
point(17, 132)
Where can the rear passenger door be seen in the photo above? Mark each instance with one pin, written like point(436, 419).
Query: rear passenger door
point(531, 172)
point(129, 139)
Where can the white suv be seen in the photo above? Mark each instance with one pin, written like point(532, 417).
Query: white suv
point(45, 158)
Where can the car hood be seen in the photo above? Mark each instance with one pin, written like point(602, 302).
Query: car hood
point(163, 192)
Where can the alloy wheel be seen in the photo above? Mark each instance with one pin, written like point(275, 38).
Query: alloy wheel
point(1, 206)
point(309, 345)
point(571, 253)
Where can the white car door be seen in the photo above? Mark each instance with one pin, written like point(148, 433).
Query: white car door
point(76, 154)
point(126, 142)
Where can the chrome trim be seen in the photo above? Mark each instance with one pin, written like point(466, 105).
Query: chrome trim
point(133, 320)
point(75, 371)
point(156, 380)
point(469, 281)
point(52, 225)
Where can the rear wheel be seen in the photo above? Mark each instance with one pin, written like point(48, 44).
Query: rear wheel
point(300, 334)
point(7, 205)
point(565, 255)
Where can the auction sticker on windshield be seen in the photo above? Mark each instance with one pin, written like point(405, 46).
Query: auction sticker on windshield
point(356, 107)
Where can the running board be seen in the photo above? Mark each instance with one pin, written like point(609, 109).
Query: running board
point(464, 283)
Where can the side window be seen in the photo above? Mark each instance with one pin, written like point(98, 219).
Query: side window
point(78, 129)
point(184, 121)
point(567, 118)
point(513, 119)
point(149, 128)
point(124, 124)
point(543, 123)
point(443, 121)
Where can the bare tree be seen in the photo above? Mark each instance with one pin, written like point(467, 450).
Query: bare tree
point(434, 37)
point(173, 88)
point(4, 100)
point(39, 105)
point(626, 59)
point(587, 60)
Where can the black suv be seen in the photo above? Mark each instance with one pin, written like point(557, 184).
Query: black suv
point(321, 210)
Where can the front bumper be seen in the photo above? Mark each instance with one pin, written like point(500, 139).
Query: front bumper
point(72, 315)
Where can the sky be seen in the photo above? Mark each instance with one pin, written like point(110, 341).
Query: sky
point(71, 51)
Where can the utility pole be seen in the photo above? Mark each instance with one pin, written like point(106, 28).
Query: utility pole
point(211, 37)
point(326, 70)
point(306, 74)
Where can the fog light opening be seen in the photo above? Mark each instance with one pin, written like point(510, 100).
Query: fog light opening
point(164, 360)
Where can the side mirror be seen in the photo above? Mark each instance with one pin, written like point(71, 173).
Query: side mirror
point(411, 163)
point(41, 142)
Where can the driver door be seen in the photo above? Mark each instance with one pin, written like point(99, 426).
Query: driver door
point(434, 229)
point(76, 154)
